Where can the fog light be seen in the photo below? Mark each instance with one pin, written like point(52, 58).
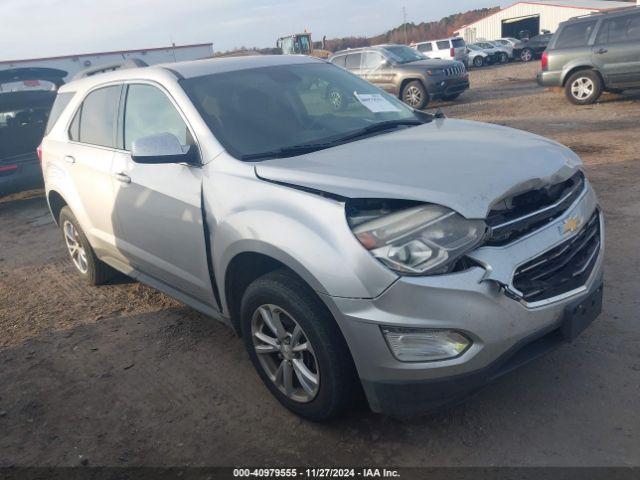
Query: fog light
point(425, 345)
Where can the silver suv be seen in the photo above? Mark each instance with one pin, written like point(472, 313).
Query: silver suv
point(373, 249)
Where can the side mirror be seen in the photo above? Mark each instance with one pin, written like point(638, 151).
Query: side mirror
point(162, 148)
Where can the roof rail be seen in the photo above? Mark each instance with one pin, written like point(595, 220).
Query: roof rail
point(110, 67)
point(610, 11)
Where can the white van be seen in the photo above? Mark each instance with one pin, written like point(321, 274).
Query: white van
point(453, 48)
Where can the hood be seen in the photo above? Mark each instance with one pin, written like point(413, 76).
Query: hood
point(429, 63)
point(464, 165)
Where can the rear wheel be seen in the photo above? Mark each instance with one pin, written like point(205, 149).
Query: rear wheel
point(478, 61)
point(92, 270)
point(503, 58)
point(583, 87)
point(526, 55)
point(297, 348)
point(415, 95)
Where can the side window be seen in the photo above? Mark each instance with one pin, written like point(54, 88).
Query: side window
point(147, 112)
point(620, 30)
point(425, 47)
point(576, 35)
point(633, 28)
point(74, 129)
point(371, 60)
point(340, 61)
point(98, 117)
point(353, 61)
point(443, 45)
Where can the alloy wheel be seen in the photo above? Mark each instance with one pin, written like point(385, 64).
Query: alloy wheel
point(582, 88)
point(74, 245)
point(285, 353)
point(526, 56)
point(413, 96)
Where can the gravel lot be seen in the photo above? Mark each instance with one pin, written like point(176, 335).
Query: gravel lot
point(123, 375)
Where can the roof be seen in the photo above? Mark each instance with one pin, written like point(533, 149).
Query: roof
point(594, 5)
point(115, 52)
point(190, 69)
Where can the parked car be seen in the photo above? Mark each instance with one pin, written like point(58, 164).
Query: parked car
point(377, 249)
point(513, 44)
point(534, 47)
point(453, 48)
point(477, 56)
point(496, 54)
point(593, 54)
point(508, 48)
point(23, 117)
point(403, 72)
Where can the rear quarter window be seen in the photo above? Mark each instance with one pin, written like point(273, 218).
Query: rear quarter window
point(575, 35)
point(60, 103)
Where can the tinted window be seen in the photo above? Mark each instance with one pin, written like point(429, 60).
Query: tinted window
point(341, 61)
point(458, 42)
point(403, 54)
point(425, 47)
point(254, 112)
point(575, 35)
point(148, 112)
point(61, 102)
point(620, 30)
point(371, 60)
point(353, 60)
point(443, 45)
point(98, 116)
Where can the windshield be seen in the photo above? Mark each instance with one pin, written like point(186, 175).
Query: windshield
point(256, 113)
point(402, 54)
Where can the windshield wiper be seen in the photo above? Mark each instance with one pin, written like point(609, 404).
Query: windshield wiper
point(294, 150)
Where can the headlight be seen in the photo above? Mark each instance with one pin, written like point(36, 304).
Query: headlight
point(418, 240)
point(425, 345)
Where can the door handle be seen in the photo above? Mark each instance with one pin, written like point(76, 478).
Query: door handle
point(601, 51)
point(122, 177)
point(69, 159)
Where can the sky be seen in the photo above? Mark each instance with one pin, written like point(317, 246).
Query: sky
point(42, 28)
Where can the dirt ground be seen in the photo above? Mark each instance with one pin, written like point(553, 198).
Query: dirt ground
point(123, 375)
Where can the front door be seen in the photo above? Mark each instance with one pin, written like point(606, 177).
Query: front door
point(616, 52)
point(159, 206)
point(376, 71)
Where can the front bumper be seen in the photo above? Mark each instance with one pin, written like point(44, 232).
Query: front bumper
point(447, 87)
point(505, 332)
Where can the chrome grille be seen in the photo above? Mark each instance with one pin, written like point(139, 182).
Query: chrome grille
point(455, 71)
point(526, 212)
point(562, 269)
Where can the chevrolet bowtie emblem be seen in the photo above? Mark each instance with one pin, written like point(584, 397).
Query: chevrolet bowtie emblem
point(571, 224)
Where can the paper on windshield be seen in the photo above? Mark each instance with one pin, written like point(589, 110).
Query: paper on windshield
point(375, 102)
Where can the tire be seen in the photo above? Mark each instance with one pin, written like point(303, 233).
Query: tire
point(478, 61)
point(583, 87)
point(503, 58)
point(449, 98)
point(526, 55)
point(415, 95)
point(92, 270)
point(288, 301)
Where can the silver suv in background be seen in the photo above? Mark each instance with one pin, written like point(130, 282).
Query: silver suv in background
point(453, 48)
point(592, 54)
point(374, 248)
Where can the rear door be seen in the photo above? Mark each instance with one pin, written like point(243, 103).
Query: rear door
point(426, 49)
point(443, 50)
point(159, 206)
point(616, 52)
point(88, 158)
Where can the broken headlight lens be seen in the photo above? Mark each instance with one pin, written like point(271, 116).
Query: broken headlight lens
point(418, 240)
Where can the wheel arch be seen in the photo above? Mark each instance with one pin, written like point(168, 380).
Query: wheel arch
point(56, 203)
point(571, 69)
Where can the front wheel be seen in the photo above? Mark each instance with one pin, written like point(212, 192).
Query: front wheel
point(526, 55)
point(504, 58)
point(478, 61)
point(415, 95)
point(583, 88)
point(297, 348)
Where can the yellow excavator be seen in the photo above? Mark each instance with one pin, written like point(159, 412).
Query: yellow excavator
point(300, 44)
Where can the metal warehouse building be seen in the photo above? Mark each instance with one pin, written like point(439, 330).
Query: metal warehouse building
point(530, 18)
